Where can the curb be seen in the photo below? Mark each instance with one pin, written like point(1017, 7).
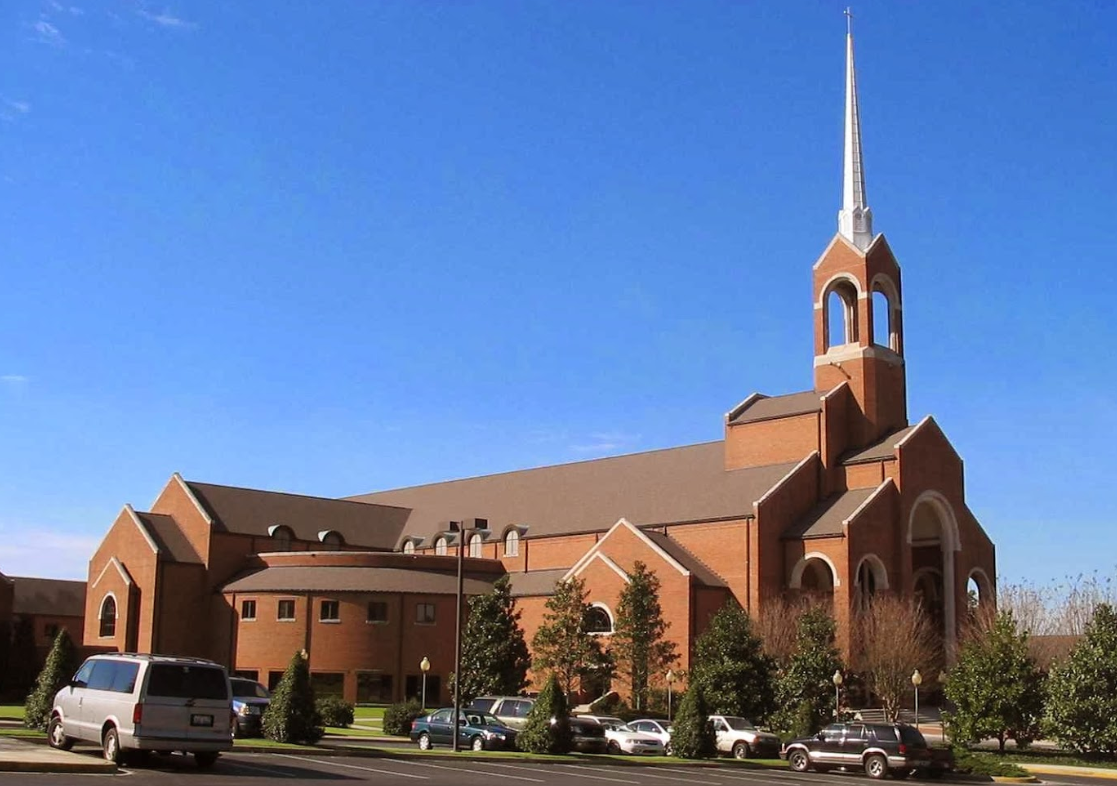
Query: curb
point(1015, 779)
point(1079, 772)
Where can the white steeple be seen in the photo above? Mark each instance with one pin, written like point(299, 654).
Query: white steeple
point(855, 219)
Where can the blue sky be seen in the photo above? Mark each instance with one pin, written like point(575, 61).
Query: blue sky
point(337, 247)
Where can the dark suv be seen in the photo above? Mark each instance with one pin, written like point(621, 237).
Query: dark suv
point(878, 748)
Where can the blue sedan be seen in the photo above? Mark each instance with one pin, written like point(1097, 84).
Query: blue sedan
point(477, 731)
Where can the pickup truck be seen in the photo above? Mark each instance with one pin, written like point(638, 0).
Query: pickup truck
point(738, 737)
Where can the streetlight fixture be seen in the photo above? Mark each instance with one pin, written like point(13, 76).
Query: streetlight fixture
point(425, 666)
point(670, 679)
point(916, 680)
point(457, 530)
point(837, 679)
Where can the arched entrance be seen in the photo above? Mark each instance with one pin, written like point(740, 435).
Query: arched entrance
point(814, 578)
point(870, 578)
point(933, 536)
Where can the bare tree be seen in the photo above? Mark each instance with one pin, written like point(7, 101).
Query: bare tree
point(894, 638)
point(777, 625)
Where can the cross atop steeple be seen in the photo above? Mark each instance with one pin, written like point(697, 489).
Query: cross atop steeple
point(855, 220)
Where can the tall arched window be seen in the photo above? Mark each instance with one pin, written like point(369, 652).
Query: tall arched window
point(409, 547)
point(440, 547)
point(108, 617)
point(512, 543)
point(882, 319)
point(475, 542)
point(841, 314)
point(598, 620)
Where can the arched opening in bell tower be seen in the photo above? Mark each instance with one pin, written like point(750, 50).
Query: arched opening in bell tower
point(841, 314)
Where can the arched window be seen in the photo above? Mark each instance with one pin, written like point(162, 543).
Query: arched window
point(409, 547)
point(598, 620)
point(512, 543)
point(475, 542)
point(108, 617)
point(882, 319)
point(841, 315)
point(282, 537)
point(332, 540)
point(440, 547)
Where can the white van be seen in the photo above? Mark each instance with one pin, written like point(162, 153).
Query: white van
point(126, 702)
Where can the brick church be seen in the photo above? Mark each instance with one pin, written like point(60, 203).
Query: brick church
point(832, 491)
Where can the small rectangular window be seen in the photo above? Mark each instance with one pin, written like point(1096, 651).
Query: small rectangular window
point(248, 610)
point(51, 631)
point(424, 613)
point(286, 610)
point(329, 611)
point(377, 611)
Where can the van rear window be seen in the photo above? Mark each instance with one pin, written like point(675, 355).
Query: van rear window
point(172, 680)
point(912, 737)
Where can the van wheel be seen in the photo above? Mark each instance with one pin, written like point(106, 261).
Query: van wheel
point(425, 742)
point(798, 760)
point(876, 766)
point(741, 750)
point(56, 735)
point(205, 759)
point(110, 746)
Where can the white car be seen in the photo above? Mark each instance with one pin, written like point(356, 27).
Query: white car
point(622, 738)
point(659, 729)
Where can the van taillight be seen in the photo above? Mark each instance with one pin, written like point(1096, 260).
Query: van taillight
point(137, 713)
point(903, 749)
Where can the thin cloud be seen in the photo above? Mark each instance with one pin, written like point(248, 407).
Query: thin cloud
point(46, 33)
point(13, 110)
point(167, 19)
point(66, 9)
point(14, 379)
point(605, 442)
point(47, 555)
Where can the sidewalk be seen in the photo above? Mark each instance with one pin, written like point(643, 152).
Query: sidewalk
point(21, 756)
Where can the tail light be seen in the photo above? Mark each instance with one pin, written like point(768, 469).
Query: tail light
point(903, 749)
point(137, 713)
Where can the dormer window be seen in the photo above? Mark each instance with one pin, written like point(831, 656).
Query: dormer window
point(475, 543)
point(281, 537)
point(331, 540)
point(512, 543)
point(440, 547)
point(409, 547)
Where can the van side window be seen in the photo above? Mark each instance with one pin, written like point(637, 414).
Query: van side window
point(186, 682)
point(104, 672)
point(81, 679)
point(125, 679)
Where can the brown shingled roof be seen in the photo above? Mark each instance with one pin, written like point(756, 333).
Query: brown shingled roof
point(252, 512)
point(825, 520)
point(48, 597)
point(357, 579)
point(772, 407)
point(536, 582)
point(169, 538)
point(661, 486)
point(879, 451)
point(703, 573)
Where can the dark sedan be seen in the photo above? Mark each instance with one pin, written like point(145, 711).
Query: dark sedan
point(587, 736)
point(479, 731)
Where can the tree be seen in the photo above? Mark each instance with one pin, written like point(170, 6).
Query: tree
point(776, 625)
point(995, 687)
point(894, 638)
point(804, 687)
point(292, 715)
point(638, 647)
point(693, 735)
point(562, 645)
point(735, 675)
point(59, 667)
point(1082, 690)
point(495, 657)
point(548, 723)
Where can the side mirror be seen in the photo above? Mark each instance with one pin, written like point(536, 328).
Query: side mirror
point(820, 736)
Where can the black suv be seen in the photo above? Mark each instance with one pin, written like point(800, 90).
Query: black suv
point(879, 748)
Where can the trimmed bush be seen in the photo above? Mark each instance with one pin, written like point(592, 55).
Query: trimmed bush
point(398, 717)
point(548, 723)
point(292, 715)
point(58, 669)
point(335, 711)
point(693, 737)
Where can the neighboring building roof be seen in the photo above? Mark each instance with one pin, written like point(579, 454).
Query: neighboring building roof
point(826, 520)
point(535, 582)
point(697, 568)
point(169, 537)
point(879, 451)
point(252, 512)
point(357, 579)
point(682, 484)
point(771, 407)
point(48, 597)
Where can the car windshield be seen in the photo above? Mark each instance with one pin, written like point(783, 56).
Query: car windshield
point(614, 724)
point(740, 724)
point(249, 689)
point(482, 719)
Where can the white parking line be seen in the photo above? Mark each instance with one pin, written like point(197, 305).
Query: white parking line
point(646, 772)
point(467, 769)
point(354, 767)
point(595, 777)
point(765, 774)
point(258, 768)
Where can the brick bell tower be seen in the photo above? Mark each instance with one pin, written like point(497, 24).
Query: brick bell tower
point(858, 300)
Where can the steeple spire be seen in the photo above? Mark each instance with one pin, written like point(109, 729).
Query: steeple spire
point(855, 219)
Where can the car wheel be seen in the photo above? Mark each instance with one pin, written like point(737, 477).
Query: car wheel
point(477, 743)
point(668, 750)
point(741, 750)
point(798, 761)
point(425, 742)
point(613, 747)
point(876, 766)
point(205, 759)
point(56, 735)
point(900, 774)
point(110, 746)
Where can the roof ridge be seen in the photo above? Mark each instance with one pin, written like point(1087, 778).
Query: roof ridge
point(348, 500)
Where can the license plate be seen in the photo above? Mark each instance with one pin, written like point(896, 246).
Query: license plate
point(201, 720)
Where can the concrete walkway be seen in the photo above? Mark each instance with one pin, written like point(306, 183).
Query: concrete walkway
point(21, 756)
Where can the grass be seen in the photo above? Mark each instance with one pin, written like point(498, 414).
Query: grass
point(1063, 758)
point(263, 742)
point(339, 731)
point(376, 713)
point(11, 711)
point(20, 732)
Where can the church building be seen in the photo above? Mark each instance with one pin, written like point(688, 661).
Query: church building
point(833, 491)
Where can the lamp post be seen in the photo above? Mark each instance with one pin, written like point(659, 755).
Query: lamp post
point(670, 679)
point(425, 666)
point(943, 677)
point(456, 529)
point(837, 679)
point(916, 680)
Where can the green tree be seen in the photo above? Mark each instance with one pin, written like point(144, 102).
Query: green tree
point(737, 678)
point(995, 686)
point(548, 723)
point(804, 690)
point(562, 646)
point(495, 657)
point(1082, 690)
point(59, 667)
point(292, 715)
point(638, 648)
point(693, 734)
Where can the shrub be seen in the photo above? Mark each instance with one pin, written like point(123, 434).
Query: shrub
point(967, 762)
point(335, 711)
point(693, 737)
point(1082, 705)
point(548, 723)
point(58, 668)
point(398, 717)
point(292, 715)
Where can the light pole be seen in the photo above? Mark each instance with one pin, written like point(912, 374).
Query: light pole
point(916, 680)
point(481, 528)
point(425, 666)
point(837, 678)
point(670, 679)
point(943, 677)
